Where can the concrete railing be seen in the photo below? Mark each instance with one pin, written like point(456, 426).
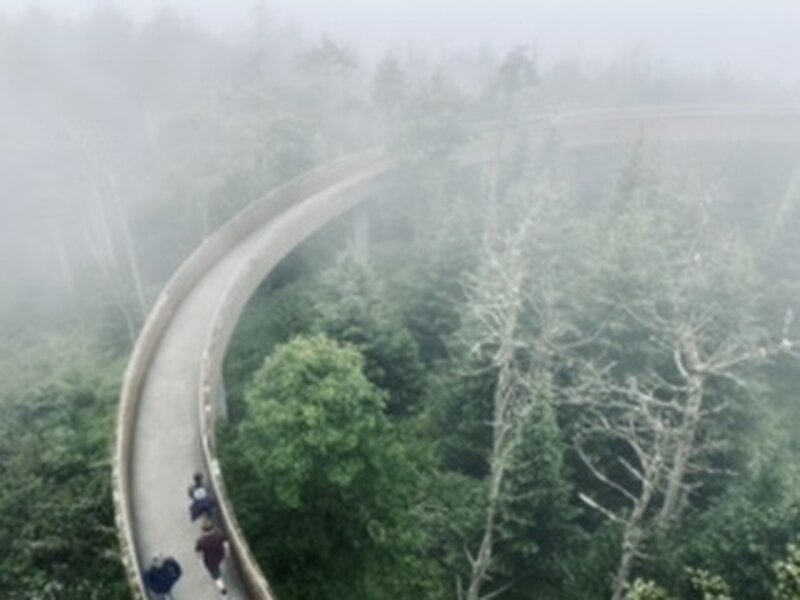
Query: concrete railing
point(190, 272)
point(300, 207)
point(289, 230)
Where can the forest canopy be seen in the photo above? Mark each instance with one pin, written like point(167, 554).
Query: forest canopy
point(569, 374)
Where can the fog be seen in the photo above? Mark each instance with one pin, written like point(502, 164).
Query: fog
point(748, 37)
point(536, 333)
point(96, 94)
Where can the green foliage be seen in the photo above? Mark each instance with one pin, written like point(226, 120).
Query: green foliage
point(451, 512)
point(646, 590)
point(586, 284)
point(433, 122)
point(288, 148)
point(712, 587)
point(389, 84)
point(788, 575)
point(537, 530)
point(272, 317)
point(317, 475)
point(742, 534)
point(432, 291)
point(352, 311)
point(56, 517)
point(314, 420)
point(459, 410)
point(338, 502)
point(587, 571)
point(779, 264)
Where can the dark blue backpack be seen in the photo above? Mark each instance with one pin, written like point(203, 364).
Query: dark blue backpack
point(202, 503)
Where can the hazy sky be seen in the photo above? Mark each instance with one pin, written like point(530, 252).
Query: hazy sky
point(747, 36)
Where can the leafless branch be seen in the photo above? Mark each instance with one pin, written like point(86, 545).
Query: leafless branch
point(601, 509)
point(600, 475)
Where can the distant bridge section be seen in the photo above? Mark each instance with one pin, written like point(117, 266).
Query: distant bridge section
point(165, 427)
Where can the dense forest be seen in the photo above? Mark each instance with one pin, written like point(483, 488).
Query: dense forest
point(598, 390)
point(572, 374)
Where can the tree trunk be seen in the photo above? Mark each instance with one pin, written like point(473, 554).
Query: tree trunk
point(130, 255)
point(685, 436)
point(483, 560)
point(67, 274)
point(631, 543)
point(103, 260)
point(502, 428)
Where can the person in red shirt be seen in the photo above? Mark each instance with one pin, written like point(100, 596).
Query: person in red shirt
point(212, 547)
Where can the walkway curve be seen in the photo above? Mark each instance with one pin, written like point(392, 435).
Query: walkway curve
point(165, 428)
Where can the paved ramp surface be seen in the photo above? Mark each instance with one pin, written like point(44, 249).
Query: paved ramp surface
point(167, 448)
point(165, 427)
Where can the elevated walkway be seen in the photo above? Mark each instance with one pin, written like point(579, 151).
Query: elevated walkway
point(165, 428)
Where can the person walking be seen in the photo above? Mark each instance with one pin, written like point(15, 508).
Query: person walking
point(162, 575)
point(202, 503)
point(211, 545)
point(197, 484)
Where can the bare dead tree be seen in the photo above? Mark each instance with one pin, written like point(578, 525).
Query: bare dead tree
point(127, 239)
point(635, 417)
point(693, 304)
point(108, 231)
point(496, 305)
point(62, 252)
point(104, 260)
point(705, 345)
point(518, 327)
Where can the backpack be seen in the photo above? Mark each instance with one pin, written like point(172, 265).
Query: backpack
point(172, 569)
point(202, 504)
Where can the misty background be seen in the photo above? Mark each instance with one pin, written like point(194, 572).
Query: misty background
point(751, 38)
point(130, 131)
point(110, 107)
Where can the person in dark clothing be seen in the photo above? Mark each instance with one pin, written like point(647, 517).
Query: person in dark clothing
point(162, 575)
point(203, 503)
point(212, 547)
point(197, 483)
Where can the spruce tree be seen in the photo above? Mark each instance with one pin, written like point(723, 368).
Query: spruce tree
point(536, 528)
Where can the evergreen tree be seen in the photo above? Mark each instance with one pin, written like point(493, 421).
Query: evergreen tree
point(389, 85)
point(536, 530)
point(352, 311)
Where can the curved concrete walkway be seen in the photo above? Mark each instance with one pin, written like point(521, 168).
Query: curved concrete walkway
point(165, 427)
